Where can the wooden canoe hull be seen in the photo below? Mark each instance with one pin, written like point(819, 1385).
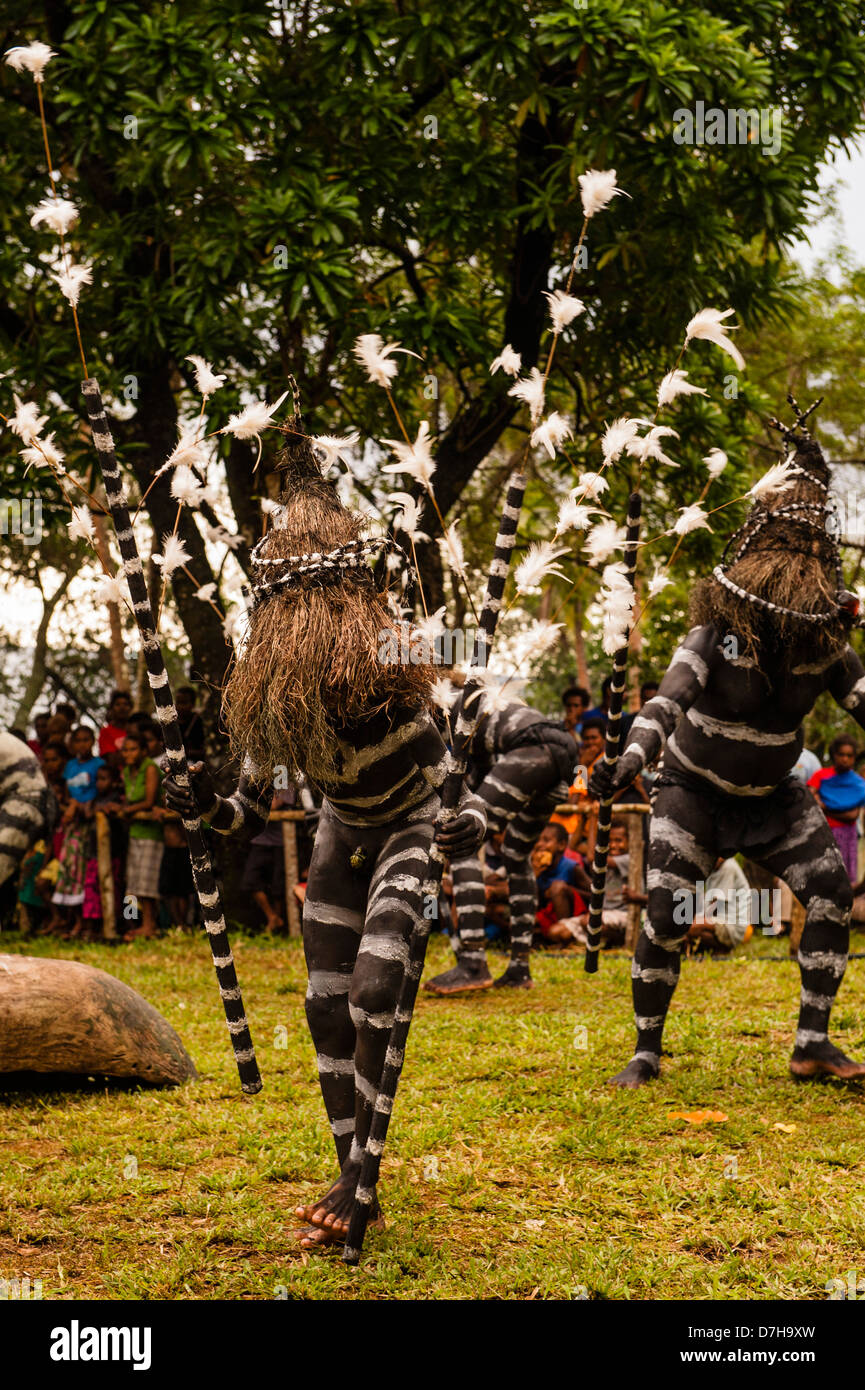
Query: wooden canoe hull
point(59, 1016)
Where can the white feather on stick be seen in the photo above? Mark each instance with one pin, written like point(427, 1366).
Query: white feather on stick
point(206, 379)
point(188, 452)
point(691, 518)
point(618, 435)
point(658, 582)
point(335, 447)
point(590, 485)
point(251, 422)
point(564, 308)
point(110, 589)
point(530, 390)
point(597, 188)
point(205, 593)
point(374, 355)
point(535, 641)
point(507, 361)
point(407, 519)
point(174, 554)
point(776, 479)
point(415, 459)
point(443, 693)
point(58, 214)
point(709, 325)
point(44, 452)
point(715, 461)
point(81, 526)
point(573, 517)
point(538, 565)
point(648, 446)
point(27, 423)
point(676, 383)
point(603, 540)
point(185, 487)
point(72, 279)
point(32, 58)
point(551, 433)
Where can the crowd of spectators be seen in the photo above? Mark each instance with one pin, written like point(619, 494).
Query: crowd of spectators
point(115, 771)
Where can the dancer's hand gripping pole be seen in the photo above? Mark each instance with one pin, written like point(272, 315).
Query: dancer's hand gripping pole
point(451, 793)
point(611, 754)
point(206, 886)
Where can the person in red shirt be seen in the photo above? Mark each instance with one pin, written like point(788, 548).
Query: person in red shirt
point(113, 731)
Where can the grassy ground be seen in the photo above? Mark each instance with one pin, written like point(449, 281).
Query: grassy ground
point(512, 1171)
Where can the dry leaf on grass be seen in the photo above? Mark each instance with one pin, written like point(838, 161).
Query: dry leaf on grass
point(787, 1129)
point(699, 1117)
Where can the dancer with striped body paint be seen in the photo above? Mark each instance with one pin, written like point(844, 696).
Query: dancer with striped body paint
point(27, 807)
point(312, 693)
point(772, 636)
point(521, 765)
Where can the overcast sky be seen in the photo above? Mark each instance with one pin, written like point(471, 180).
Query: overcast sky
point(850, 176)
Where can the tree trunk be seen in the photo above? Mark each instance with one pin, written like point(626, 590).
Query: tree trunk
point(119, 667)
point(38, 672)
point(580, 645)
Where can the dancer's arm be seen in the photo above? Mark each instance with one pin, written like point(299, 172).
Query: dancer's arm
point(846, 684)
point(244, 813)
point(686, 678)
point(463, 835)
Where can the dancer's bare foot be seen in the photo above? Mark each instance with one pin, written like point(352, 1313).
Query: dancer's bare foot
point(462, 979)
point(330, 1215)
point(824, 1059)
point(638, 1071)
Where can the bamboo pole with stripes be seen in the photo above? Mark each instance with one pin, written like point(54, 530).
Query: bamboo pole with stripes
point(206, 885)
point(611, 753)
point(451, 793)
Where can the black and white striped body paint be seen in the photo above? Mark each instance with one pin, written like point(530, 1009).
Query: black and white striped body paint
point(206, 886)
point(526, 763)
point(611, 754)
point(726, 728)
point(464, 728)
point(25, 804)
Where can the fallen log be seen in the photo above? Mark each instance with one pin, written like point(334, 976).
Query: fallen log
point(64, 1018)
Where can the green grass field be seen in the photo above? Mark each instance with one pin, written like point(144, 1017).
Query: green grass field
point(512, 1170)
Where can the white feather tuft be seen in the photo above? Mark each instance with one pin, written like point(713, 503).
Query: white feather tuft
point(538, 565)
point(57, 213)
point(507, 361)
point(709, 325)
point(206, 379)
point(416, 459)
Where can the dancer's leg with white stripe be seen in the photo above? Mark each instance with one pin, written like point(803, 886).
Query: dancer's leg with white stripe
point(807, 858)
point(677, 860)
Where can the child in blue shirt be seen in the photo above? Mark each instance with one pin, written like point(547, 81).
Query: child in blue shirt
point(80, 771)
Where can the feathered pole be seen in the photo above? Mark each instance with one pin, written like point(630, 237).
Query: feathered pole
point(625, 593)
point(451, 793)
point(620, 596)
point(206, 885)
point(60, 215)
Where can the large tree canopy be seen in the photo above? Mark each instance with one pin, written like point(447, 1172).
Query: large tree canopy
point(261, 183)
